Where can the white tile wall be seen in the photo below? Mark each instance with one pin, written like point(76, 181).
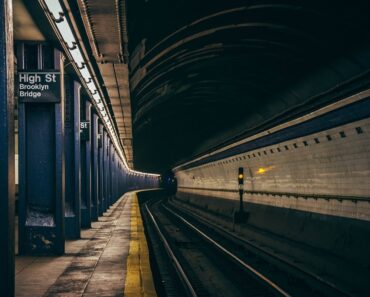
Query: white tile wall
point(337, 167)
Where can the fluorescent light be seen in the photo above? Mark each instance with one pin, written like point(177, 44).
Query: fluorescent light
point(97, 98)
point(100, 106)
point(92, 87)
point(85, 74)
point(66, 32)
point(77, 57)
point(55, 8)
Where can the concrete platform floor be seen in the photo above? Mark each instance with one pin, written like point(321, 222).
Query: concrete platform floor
point(110, 259)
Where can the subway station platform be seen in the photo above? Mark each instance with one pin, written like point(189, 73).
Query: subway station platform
point(110, 259)
point(184, 148)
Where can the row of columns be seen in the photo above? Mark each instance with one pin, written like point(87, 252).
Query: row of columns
point(69, 170)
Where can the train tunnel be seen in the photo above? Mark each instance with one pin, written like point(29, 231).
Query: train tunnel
point(184, 148)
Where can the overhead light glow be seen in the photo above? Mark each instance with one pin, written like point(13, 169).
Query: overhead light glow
point(85, 74)
point(71, 46)
point(101, 106)
point(91, 86)
point(54, 7)
point(263, 170)
point(77, 58)
point(97, 98)
point(66, 33)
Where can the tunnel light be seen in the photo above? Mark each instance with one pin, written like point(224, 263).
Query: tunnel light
point(55, 9)
point(263, 170)
point(66, 33)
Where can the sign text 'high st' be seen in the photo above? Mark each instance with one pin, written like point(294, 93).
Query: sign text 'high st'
point(38, 86)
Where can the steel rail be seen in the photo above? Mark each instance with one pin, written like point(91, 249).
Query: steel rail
point(185, 280)
point(270, 254)
point(256, 273)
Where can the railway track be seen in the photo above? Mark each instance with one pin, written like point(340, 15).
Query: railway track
point(209, 262)
point(314, 283)
point(202, 268)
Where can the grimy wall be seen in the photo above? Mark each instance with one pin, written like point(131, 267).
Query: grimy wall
point(307, 179)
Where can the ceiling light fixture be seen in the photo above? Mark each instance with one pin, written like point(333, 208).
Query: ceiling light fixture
point(58, 17)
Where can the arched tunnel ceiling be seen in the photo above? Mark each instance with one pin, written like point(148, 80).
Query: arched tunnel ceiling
point(203, 73)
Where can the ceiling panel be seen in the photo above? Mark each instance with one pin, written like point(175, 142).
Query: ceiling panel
point(105, 26)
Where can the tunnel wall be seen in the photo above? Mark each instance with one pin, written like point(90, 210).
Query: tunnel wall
point(313, 188)
point(134, 181)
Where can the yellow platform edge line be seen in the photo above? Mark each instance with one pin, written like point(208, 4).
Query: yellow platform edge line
point(139, 279)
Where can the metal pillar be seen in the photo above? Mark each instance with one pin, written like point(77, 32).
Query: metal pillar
point(41, 171)
point(85, 163)
point(95, 187)
point(105, 170)
point(110, 173)
point(115, 171)
point(118, 171)
point(72, 160)
point(7, 180)
point(114, 177)
point(101, 168)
